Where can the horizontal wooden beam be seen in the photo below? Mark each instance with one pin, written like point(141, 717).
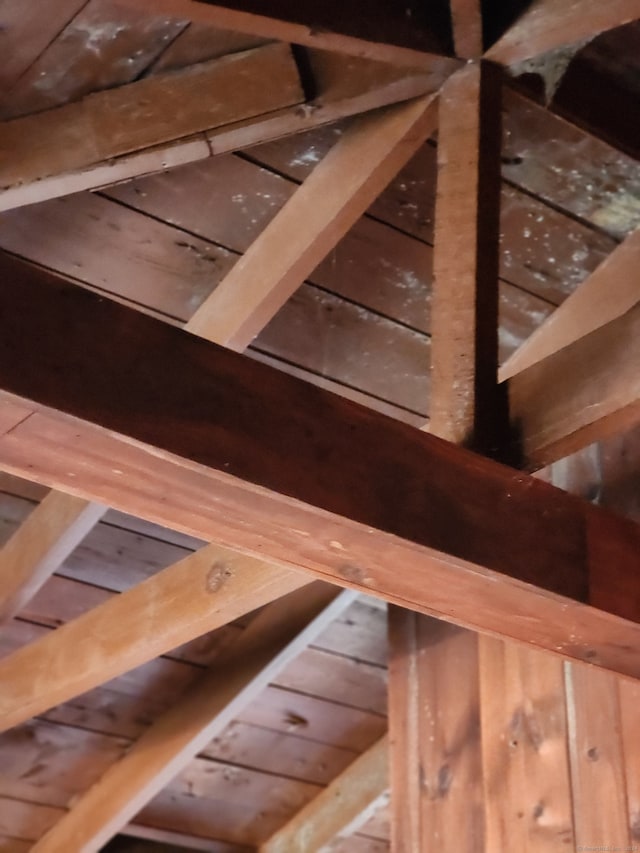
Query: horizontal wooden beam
point(210, 588)
point(40, 546)
point(256, 460)
point(341, 808)
point(316, 217)
point(273, 639)
point(402, 35)
point(583, 393)
point(344, 86)
point(611, 290)
point(548, 24)
point(149, 112)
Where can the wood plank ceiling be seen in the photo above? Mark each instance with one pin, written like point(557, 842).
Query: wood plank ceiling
point(151, 151)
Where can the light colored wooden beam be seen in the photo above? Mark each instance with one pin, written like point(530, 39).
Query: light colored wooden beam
point(40, 545)
point(208, 589)
point(341, 808)
point(272, 640)
point(259, 461)
point(583, 393)
point(547, 24)
point(611, 290)
point(320, 212)
point(149, 112)
point(346, 86)
point(464, 404)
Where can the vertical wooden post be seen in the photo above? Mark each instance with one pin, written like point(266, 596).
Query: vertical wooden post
point(434, 704)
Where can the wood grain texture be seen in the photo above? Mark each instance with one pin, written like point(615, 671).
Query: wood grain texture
point(40, 546)
point(547, 24)
point(610, 291)
point(404, 36)
point(201, 592)
point(115, 122)
point(586, 392)
point(272, 640)
point(311, 223)
point(240, 488)
point(524, 746)
point(344, 86)
point(26, 31)
point(597, 761)
point(466, 16)
point(436, 771)
point(107, 44)
point(338, 808)
point(628, 698)
point(464, 361)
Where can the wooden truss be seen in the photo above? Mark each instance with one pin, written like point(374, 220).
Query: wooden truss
point(291, 484)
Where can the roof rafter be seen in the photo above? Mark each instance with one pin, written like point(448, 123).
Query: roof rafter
point(204, 591)
point(583, 393)
point(256, 460)
point(346, 86)
point(340, 809)
point(273, 639)
point(611, 290)
point(547, 24)
point(316, 217)
point(40, 545)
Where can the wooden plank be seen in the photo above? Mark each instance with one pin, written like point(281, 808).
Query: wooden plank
point(434, 734)
point(608, 293)
point(40, 546)
point(371, 85)
point(26, 32)
point(447, 512)
point(401, 36)
point(583, 393)
point(542, 152)
point(138, 625)
point(628, 698)
point(115, 122)
point(107, 44)
point(597, 760)
point(338, 809)
point(464, 398)
point(466, 19)
point(310, 224)
point(547, 24)
point(524, 744)
point(272, 640)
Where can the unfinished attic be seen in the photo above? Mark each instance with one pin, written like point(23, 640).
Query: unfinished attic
point(319, 426)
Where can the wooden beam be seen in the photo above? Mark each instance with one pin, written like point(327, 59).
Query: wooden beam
point(466, 19)
point(583, 393)
point(341, 808)
point(208, 589)
point(433, 669)
point(149, 112)
point(320, 212)
point(399, 35)
point(257, 460)
point(40, 545)
point(345, 86)
point(464, 404)
point(611, 290)
point(272, 640)
point(547, 24)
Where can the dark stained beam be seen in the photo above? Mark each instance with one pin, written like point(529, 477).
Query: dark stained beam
point(146, 418)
